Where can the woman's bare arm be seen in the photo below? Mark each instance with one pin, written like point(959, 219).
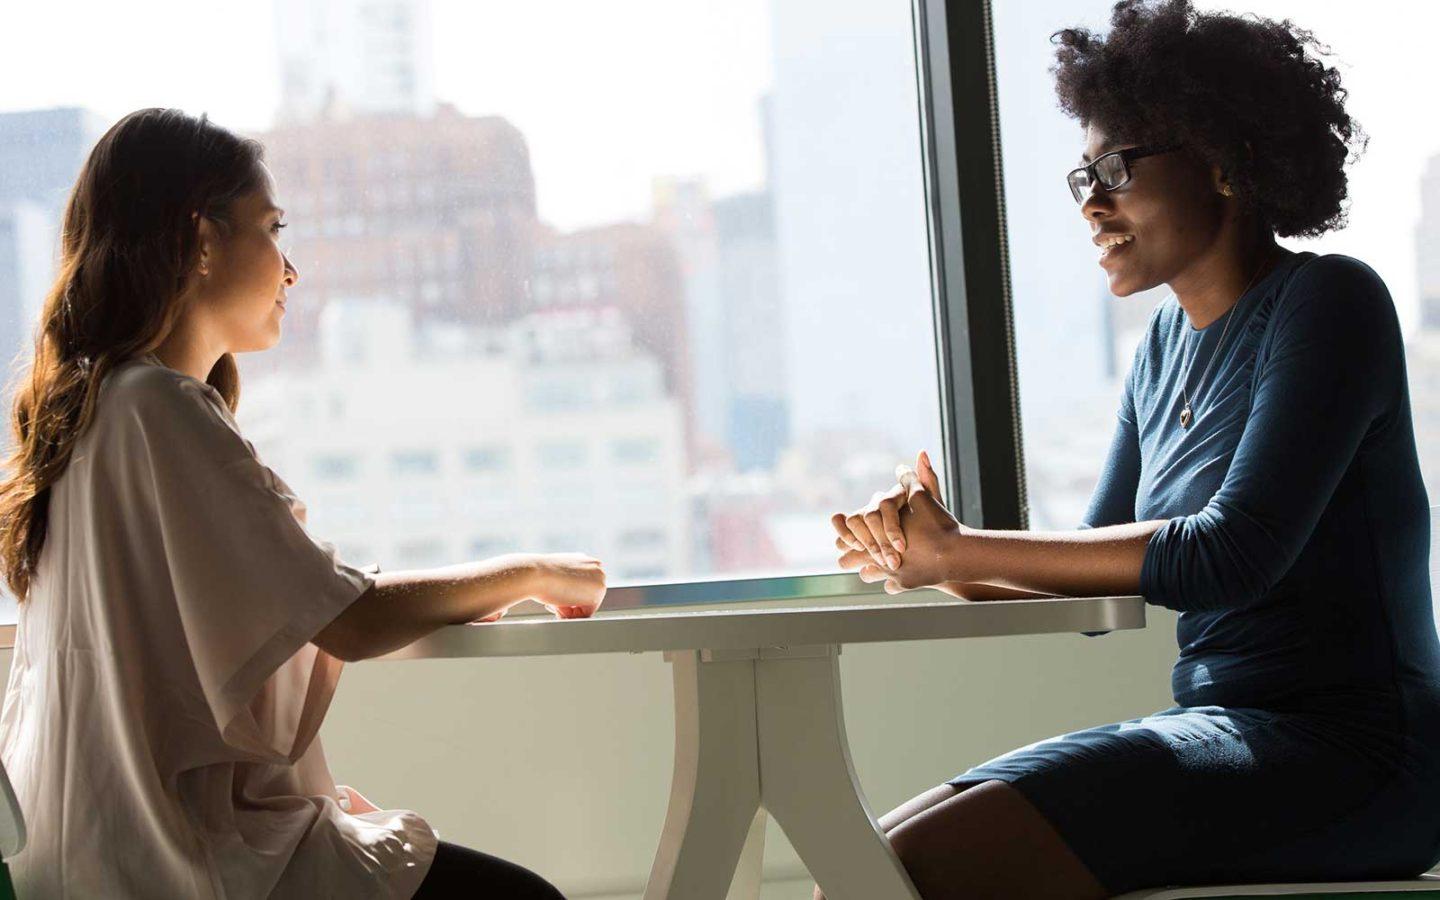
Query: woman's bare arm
point(1089, 562)
point(404, 606)
point(977, 564)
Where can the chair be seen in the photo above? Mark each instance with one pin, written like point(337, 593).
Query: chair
point(12, 833)
point(1426, 885)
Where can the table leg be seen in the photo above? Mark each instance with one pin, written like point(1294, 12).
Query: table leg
point(715, 789)
point(808, 782)
point(750, 874)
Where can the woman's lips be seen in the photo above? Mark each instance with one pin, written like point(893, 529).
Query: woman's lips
point(1113, 245)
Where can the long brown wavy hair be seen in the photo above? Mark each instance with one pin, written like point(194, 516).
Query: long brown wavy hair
point(128, 247)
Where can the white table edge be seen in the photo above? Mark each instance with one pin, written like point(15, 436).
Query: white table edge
point(749, 628)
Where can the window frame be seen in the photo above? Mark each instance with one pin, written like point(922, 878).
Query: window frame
point(980, 395)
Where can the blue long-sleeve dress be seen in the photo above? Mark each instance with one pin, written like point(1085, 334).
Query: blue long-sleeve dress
point(1305, 740)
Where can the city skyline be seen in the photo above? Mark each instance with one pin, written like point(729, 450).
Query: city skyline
point(847, 255)
point(478, 44)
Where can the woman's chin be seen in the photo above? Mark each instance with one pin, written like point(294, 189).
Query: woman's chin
point(258, 342)
point(1124, 282)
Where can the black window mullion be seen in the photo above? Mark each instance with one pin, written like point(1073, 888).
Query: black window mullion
point(974, 324)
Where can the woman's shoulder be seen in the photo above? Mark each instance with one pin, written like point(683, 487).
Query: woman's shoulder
point(143, 392)
point(140, 382)
point(1335, 277)
point(1335, 292)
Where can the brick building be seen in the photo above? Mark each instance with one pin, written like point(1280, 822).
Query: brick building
point(436, 212)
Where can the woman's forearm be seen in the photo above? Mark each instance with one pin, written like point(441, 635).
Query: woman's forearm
point(404, 606)
point(1088, 562)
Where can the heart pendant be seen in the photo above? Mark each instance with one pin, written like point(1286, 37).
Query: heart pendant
point(1185, 416)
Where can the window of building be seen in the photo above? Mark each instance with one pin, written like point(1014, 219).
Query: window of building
point(639, 539)
point(563, 454)
point(489, 459)
point(635, 451)
point(555, 394)
point(415, 462)
point(335, 466)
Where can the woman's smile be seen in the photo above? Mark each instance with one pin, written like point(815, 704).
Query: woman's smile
point(1112, 245)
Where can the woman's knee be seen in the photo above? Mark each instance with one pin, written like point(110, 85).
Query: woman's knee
point(919, 841)
point(917, 805)
point(995, 843)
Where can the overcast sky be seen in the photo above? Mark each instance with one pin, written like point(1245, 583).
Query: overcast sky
point(608, 94)
point(611, 94)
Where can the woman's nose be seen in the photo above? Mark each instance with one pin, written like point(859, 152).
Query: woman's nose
point(1097, 204)
point(291, 274)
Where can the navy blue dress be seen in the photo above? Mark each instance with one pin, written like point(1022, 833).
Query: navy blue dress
point(1305, 740)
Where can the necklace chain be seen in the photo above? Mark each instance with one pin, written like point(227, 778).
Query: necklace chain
point(1185, 414)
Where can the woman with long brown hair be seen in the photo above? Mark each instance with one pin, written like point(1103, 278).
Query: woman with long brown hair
point(181, 634)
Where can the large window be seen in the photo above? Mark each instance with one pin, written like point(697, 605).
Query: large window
point(1075, 340)
point(675, 281)
point(655, 285)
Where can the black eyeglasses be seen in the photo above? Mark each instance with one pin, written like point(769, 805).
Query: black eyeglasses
point(1109, 170)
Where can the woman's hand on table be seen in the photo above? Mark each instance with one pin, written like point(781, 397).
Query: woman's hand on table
point(905, 537)
point(570, 585)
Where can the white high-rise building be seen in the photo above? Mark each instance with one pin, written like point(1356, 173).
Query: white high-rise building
point(342, 57)
point(41, 153)
point(27, 253)
point(1427, 245)
point(416, 449)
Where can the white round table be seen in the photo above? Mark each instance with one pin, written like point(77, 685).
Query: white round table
point(759, 726)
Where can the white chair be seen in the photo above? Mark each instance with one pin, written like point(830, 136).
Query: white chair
point(12, 832)
point(1425, 886)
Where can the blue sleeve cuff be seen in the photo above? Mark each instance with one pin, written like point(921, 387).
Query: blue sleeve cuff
point(1154, 585)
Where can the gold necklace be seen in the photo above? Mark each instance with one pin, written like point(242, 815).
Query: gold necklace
point(1185, 415)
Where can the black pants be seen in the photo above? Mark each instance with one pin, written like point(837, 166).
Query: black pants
point(461, 872)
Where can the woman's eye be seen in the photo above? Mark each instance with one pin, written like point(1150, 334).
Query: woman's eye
point(277, 226)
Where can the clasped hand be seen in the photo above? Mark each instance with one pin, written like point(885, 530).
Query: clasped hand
point(904, 537)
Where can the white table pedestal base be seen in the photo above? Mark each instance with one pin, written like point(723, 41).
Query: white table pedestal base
point(760, 731)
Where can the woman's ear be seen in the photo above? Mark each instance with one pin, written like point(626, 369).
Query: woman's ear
point(1220, 181)
point(205, 233)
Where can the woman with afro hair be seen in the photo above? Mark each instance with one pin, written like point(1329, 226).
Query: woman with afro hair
point(1263, 481)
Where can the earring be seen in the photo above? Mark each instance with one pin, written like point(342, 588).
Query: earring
point(1226, 190)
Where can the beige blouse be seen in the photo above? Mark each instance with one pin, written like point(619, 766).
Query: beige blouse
point(160, 721)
